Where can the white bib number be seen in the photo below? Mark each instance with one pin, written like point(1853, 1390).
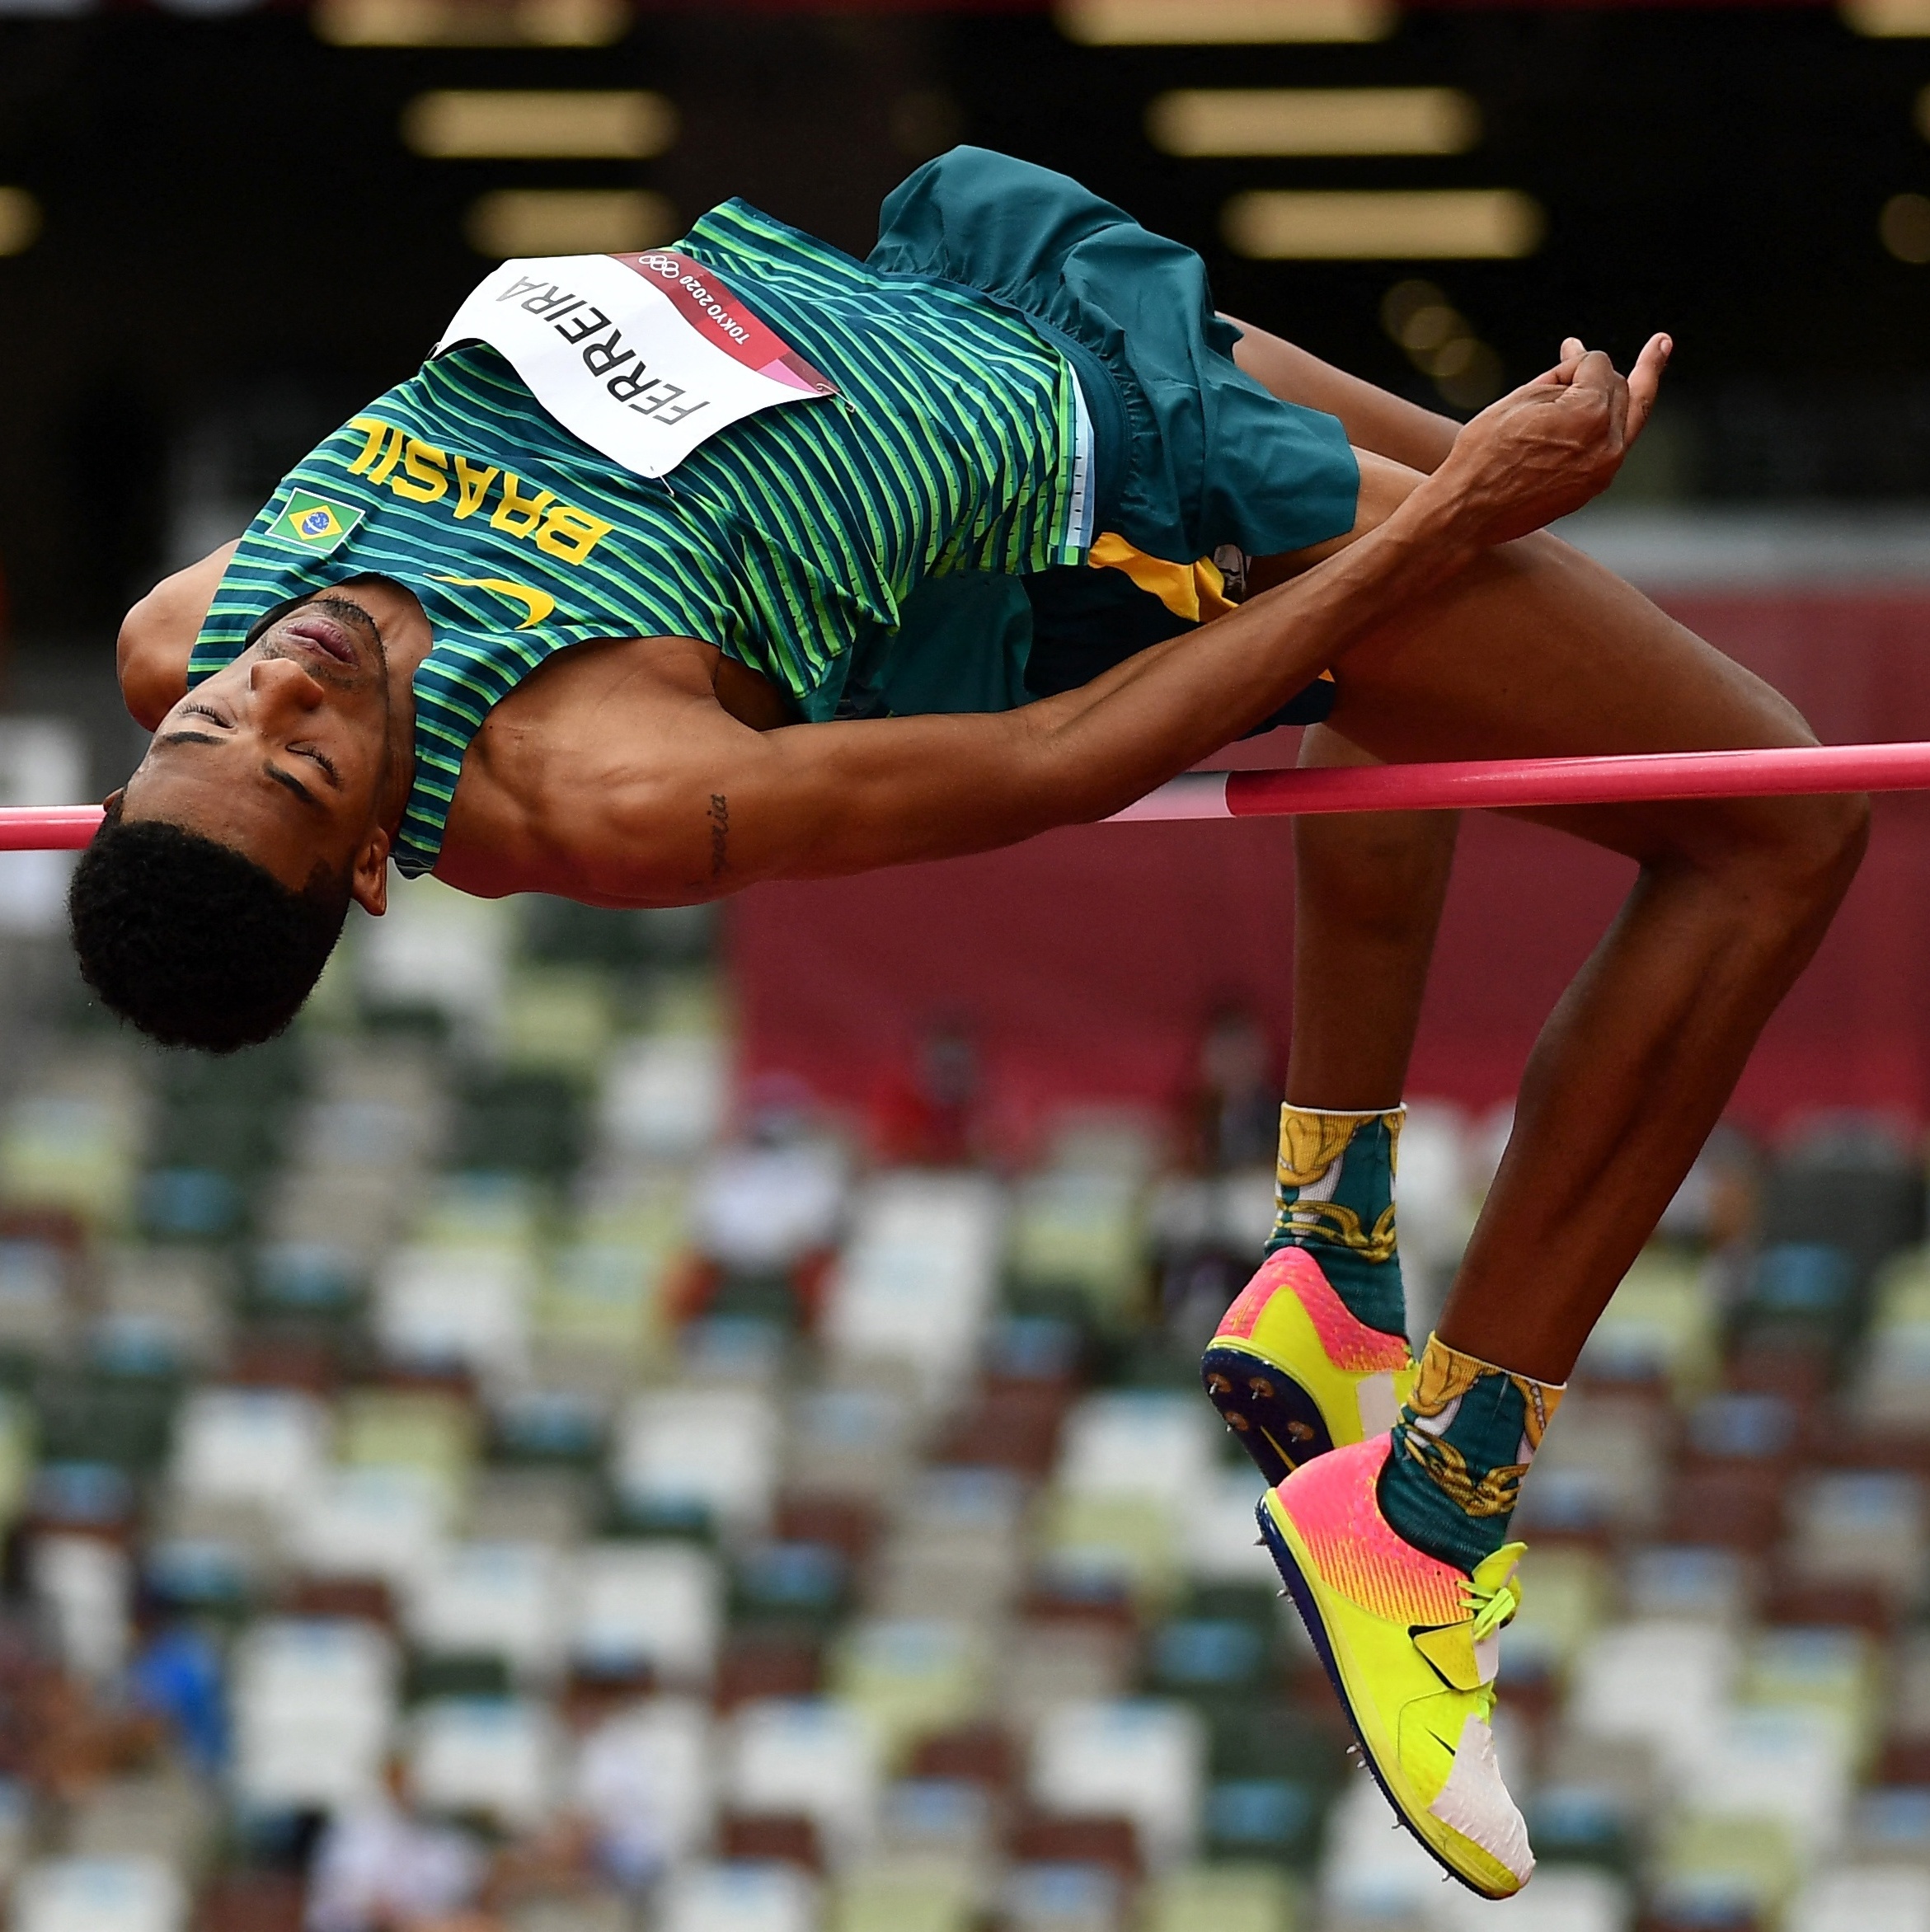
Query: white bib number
point(643, 356)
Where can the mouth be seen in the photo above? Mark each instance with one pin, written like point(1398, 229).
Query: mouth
point(322, 635)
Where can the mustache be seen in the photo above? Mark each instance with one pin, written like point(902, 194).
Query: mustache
point(345, 612)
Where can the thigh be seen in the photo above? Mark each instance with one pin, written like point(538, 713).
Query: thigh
point(1538, 651)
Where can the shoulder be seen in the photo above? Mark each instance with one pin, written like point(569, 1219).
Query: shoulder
point(157, 637)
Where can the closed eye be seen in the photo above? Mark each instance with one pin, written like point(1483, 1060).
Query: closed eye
point(203, 711)
point(322, 759)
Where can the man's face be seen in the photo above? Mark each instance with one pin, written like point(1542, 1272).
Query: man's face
point(287, 754)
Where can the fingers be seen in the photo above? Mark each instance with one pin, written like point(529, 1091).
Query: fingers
point(1644, 382)
point(1563, 373)
point(1615, 394)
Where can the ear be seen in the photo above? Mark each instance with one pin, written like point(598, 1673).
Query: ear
point(368, 884)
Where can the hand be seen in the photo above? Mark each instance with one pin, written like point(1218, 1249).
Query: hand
point(1552, 445)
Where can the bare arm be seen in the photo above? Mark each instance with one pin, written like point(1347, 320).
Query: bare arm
point(158, 634)
point(722, 807)
point(1401, 431)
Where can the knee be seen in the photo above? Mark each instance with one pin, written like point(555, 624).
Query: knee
point(1806, 862)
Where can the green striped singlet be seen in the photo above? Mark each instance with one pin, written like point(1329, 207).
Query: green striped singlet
point(791, 539)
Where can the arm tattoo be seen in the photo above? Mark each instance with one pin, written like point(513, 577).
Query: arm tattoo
point(720, 817)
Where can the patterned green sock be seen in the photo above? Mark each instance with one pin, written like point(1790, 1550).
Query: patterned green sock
point(1463, 1444)
point(1334, 1184)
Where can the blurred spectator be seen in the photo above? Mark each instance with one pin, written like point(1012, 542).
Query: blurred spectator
point(177, 1675)
point(377, 1869)
point(1232, 1113)
point(931, 1113)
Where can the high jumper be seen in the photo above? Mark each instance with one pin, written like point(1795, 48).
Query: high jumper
point(746, 559)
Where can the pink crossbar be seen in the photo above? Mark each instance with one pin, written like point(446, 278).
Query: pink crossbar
point(1495, 784)
point(47, 828)
point(1490, 785)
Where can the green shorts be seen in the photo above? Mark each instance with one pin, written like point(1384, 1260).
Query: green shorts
point(1190, 453)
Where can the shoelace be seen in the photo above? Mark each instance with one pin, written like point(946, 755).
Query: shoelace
point(1493, 1609)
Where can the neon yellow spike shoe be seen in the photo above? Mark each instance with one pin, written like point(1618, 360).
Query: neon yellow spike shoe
point(1294, 1374)
point(1412, 1645)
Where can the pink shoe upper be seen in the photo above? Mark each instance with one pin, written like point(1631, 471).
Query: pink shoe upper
point(1349, 1344)
point(1334, 1503)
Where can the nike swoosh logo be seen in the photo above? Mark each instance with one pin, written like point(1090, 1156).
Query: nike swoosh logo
point(539, 603)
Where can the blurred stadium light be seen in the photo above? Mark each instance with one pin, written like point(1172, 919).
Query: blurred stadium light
point(1194, 121)
point(1383, 224)
point(466, 123)
point(471, 23)
point(1199, 23)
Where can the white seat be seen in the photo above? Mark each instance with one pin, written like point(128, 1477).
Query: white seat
point(959, 1548)
point(264, 1445)
point(908, 1675)
point(1862, 1526)
point(1870, 1898)
point(1694, 1581)
point(739, 1897)
point(1142, 1442)
point(99, 1895)
point(655, 1606)
point(1219, 1533)
point(440, 949)
point(917, 1278)
point(84, 1587)
point(1140, 1758)
point(1081, 1228)
point(1792, 1765)
point(168, 1300)
point(849, 1441)
point(467, 1305)
point(1661, 1682)
point(383, 1522)
point(313, 1702)
point(1372, 1872)
point(810, 1755)
point(717, 1449)
point(1437, 1205)
point(36, 1314)
point(497, 1756)
point(499, 1599)
point(664, 1096)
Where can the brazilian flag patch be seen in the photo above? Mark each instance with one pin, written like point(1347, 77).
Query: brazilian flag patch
point(313, 523)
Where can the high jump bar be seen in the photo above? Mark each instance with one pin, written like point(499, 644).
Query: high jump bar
point(1475, 785)
point(1498, 784)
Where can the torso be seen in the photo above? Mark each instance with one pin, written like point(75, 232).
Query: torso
point(789, 543)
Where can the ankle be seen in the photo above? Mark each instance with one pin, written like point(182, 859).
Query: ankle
point(1335, 1190)
point(1462, 1444)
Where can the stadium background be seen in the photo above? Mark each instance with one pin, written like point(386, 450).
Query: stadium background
point(685, 1421)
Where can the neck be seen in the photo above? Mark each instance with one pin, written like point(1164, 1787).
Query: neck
point(405, 647)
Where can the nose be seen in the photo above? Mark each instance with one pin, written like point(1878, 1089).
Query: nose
point(283, 691)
